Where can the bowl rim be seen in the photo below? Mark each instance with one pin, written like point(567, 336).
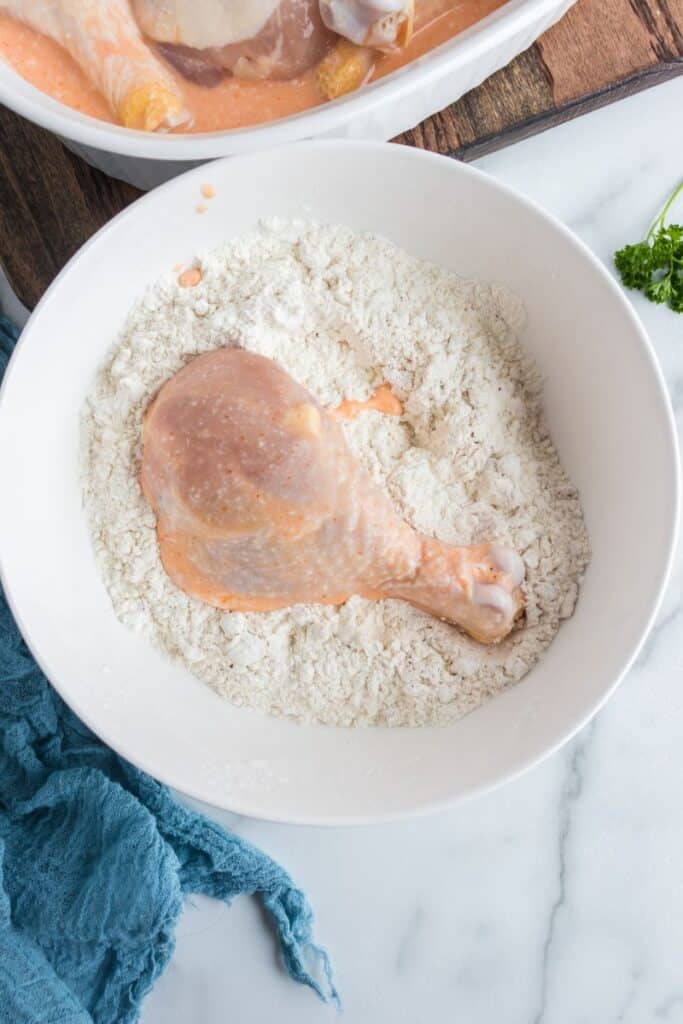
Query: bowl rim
point(466, 48)
point(525, 762)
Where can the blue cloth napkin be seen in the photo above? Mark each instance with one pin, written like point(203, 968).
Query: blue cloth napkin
point(96, 858)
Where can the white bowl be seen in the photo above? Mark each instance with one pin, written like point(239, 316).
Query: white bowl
point(609, 415)
point(379, 111)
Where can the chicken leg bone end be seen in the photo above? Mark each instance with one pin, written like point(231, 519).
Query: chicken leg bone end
point(376, 23)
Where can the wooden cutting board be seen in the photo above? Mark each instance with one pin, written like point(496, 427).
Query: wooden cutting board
point(601, 51)
point(51, 202)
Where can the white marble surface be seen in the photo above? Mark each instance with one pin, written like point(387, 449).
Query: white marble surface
point(558, 899)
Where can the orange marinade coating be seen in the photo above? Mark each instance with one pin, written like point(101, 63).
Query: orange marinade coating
point(233, 103)
point(383, 400)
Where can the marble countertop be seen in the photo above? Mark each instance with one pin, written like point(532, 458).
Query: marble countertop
point(557, 899)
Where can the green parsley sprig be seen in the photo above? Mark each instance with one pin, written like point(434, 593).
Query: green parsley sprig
point(655, 265)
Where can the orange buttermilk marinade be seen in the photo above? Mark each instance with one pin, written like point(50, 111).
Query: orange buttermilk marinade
point(233, 103)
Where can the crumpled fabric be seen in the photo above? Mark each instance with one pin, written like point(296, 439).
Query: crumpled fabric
point(96, 858)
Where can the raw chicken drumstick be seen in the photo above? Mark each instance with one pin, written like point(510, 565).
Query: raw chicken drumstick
point(260, 504)
point(103, 38)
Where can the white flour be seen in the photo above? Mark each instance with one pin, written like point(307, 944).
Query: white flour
point(470, 460)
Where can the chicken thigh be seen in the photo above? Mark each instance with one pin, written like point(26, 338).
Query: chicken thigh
point(260, 504)
point(275, 39)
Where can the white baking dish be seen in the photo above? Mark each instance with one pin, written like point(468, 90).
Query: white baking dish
point(378, 111)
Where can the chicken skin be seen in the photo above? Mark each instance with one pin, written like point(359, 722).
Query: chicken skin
point(260, 504)
point(104, 40)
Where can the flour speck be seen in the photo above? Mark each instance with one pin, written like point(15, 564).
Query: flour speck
point(470, 460)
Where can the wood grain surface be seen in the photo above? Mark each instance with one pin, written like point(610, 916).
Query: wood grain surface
point(51, 202)
point(601, 51)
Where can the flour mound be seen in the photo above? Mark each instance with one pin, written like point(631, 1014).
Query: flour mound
point(470, 460)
